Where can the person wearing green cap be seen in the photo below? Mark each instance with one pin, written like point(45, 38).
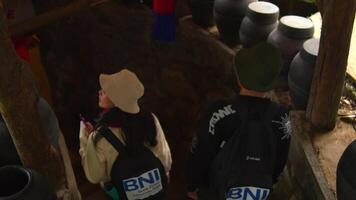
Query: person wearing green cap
point(246, 137)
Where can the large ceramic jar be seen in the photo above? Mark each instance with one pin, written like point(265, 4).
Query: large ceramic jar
point(289, 36)
point(8, 153)
point(301, 73)
point(228, 16)
point(261, 18)
point(202, 12)
point(19, 183)
point(345, 174)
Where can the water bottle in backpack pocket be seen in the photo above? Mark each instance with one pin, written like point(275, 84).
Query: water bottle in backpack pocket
point(136, 177)
point(111, 191)
point(243, 168)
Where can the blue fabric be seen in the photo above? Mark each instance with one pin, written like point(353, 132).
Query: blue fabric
point(163, 27)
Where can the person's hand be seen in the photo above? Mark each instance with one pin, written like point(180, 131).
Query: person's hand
point(193, 195)
point(168, 177)
point(89, 127)
point(86, 128)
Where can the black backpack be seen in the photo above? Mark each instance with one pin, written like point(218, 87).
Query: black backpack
point(139, 177)
point(243, 168)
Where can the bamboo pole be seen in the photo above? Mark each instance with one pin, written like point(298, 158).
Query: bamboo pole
point(330, 70)
point(18, 100)
point(32, 25)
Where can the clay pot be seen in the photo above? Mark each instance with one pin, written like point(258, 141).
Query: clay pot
point(345, 174)
point(202, 12)
point(289, 36)
point(19, 183)
point(228, 17)
point(261, 18)
point(301, 73)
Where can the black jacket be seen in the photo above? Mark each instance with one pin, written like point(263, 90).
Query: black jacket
point(219, 122)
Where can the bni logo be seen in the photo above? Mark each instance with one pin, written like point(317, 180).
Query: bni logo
point(247, 193)
point(143, 186)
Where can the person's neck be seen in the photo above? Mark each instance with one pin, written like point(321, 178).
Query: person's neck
point(246, 92)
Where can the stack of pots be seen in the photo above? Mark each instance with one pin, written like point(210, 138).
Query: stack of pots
point(19, 183)
point(228, 17)
point(301, 73)
point(202, 12)
point(261, 18)
point(289, 36)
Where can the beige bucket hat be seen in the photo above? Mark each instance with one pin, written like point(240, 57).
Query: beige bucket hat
point(124, 89)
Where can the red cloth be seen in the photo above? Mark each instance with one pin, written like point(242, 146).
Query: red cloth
point(164, 6)
point(21, 45)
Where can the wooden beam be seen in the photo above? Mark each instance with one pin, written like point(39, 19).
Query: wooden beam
point(322, 5)
point(330, 70)
point(32, 25)
point(18, 106)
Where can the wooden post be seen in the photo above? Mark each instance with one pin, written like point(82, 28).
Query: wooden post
point(329, 74)
point(18, 99)
point(322, 5)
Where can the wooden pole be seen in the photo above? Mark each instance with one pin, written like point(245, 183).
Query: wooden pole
point(18, 99)
point(322, 5)
point(32, 25)
point(329, 74)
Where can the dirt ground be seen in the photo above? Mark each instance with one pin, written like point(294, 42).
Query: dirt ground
point(330, 146)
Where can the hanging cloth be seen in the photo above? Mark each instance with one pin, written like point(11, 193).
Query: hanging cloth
point(21, 47)
point(163, 27)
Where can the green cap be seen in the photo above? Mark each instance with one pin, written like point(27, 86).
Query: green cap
point(258, 67)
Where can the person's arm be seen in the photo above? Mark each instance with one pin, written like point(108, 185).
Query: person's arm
point(93, 159)
point(282, 127)
point(162, 150)
point(203, 150)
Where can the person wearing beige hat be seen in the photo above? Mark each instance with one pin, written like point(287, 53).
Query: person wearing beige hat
point(136, 128)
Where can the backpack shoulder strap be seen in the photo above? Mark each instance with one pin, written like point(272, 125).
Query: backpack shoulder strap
point(243, 115)
point(267, 119)
point(112, 139)
point(270, 111)
point(268, 116)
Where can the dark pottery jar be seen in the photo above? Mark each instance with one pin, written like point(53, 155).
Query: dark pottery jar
point(19, 183)
point(301, 73)
point(8, 152)
point(261, 18)
point(289, 36)
point(345, 174)
point(202, 12)
point(228, 17)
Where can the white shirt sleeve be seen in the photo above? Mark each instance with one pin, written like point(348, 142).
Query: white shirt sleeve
point(93, 159)
point(162, 150)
